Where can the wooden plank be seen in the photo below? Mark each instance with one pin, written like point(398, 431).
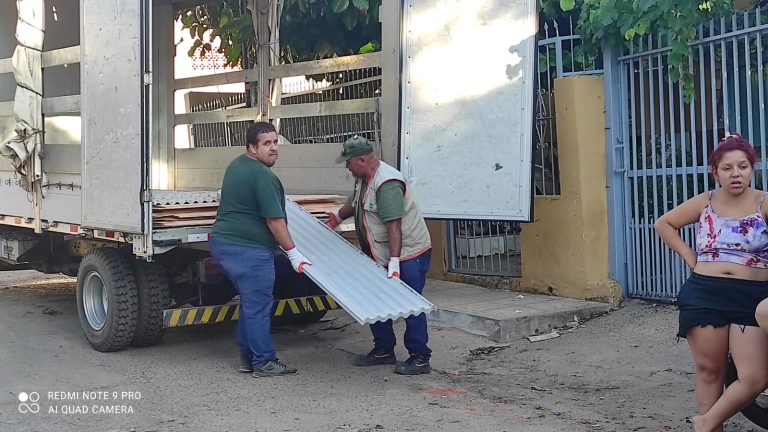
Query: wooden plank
point(360, 61)
point(229, 115)
point(233, 77)
point(6, 65)
point(61, 105)
point(176, 224)
point(314, 199)
point(157, 207)
point(184, 216)
point(69, 55)
point(354, 106)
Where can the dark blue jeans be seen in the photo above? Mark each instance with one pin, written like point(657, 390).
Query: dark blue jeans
point(252, 272)
point(414, 273)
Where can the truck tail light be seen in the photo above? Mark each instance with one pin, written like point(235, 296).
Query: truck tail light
point(210, 272)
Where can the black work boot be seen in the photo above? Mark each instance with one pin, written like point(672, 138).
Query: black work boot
point(245, 364)
point(273, 368)
point(375, 358)
point(413, 366)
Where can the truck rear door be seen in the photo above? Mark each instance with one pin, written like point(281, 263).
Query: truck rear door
point(112, 113)
point(467, 107)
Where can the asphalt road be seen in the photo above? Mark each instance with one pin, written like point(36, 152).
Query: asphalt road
point(619, 372)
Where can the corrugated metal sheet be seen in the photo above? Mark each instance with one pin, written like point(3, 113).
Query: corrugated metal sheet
point(355, 282)
point(172, 197)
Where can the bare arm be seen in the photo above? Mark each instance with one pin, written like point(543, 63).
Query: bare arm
point(668, 225)
point(346, 210)
point(279, 230)
point(394, 237)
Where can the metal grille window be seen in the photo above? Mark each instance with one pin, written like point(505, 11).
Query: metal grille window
point(666, 141)
point(485, 247)
point(337, 86)
point(223, 134)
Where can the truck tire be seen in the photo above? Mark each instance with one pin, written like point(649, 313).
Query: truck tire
point(107, 299)
point(154, 296)
point(757, 411)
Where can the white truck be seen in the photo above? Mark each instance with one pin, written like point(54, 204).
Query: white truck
point(87, 121)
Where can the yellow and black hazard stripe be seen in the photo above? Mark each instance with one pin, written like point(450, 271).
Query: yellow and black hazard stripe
point(230, 312)
point(300, 305)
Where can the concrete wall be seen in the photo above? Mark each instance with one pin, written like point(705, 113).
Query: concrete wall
point(565, 248)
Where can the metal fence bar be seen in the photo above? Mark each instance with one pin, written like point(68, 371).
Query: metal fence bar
point(654, 192)
point(761, 95)
point(684, 143)
point(736, 76)
point(635, 209)
point(667, 256)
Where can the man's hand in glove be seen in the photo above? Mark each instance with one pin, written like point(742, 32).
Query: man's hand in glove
point(393, 269)
point(298, 261)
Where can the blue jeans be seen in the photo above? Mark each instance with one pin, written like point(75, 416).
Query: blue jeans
point(414, 273)
point(252, 272)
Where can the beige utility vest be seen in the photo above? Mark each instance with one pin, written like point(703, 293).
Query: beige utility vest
point(415, 235)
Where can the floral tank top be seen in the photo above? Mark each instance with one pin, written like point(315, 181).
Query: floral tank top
point(735, 240)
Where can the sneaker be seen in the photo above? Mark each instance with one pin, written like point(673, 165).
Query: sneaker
point(273, 368)
point(413, 366)
point(375, 358)
point(245, 364)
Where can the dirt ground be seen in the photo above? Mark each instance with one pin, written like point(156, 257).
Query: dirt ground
point(623, 371)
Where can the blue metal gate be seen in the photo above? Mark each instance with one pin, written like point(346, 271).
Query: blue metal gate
point(661, 149)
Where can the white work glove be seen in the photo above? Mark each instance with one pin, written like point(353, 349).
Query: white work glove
point(333, 219)
point(393, 269)
point(298, 261)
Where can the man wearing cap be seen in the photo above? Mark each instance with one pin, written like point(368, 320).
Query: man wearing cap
point(391, 230)
point(250, 225)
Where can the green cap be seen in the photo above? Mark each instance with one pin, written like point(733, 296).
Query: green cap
point(355, 146)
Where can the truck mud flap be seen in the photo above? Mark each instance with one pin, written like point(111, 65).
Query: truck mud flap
point(181, 317)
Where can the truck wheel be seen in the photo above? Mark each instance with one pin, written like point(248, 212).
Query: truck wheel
point(107, 299)
point(154, 296)
point(757, 411)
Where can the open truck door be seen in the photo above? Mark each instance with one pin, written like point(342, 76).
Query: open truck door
point(467, 107)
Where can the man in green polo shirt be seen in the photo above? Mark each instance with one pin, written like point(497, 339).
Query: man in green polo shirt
point(392, 231)
point(250, 225)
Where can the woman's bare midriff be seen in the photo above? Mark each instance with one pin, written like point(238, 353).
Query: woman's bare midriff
point(731, 270)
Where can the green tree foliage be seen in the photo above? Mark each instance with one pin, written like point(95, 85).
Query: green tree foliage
point(316, 29)
point(617, 22)
point(309, 29)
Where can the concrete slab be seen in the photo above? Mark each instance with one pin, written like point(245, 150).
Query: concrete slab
point(503, 316)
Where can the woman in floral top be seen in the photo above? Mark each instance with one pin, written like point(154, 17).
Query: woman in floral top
point(730, 273)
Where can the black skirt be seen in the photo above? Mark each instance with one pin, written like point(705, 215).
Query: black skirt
point(718, 301)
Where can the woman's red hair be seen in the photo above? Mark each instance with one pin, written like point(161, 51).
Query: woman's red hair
point(731, 143)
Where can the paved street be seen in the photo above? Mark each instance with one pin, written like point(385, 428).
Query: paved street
point(619, 372)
